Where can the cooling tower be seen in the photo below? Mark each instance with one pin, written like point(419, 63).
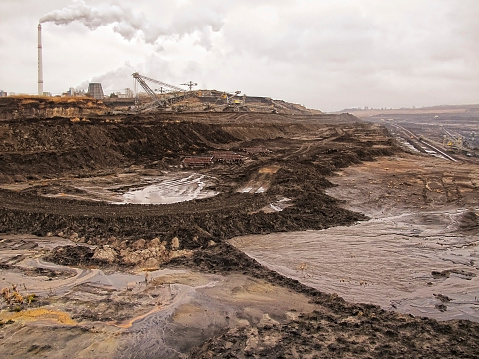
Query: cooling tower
point(95, 90)
point(40, 62)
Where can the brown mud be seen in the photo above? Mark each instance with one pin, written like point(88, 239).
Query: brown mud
point(418, 247)
point(215, 301)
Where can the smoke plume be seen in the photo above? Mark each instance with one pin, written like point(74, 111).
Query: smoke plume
point(130, 23)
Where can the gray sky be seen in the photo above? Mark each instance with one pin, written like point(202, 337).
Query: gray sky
point(324, 54)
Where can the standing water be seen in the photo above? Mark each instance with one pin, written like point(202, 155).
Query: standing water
point(392, 262)
point(172, 190)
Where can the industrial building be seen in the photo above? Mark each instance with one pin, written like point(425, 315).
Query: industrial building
point(95, 90)
point(227, 157)
point(197, 161)
point(127, 94)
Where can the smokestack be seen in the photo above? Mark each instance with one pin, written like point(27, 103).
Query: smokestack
point(40, 62)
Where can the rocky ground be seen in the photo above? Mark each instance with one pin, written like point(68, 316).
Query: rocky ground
point(136, 280)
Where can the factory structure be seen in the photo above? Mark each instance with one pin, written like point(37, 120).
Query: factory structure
point(161, 96)
point(95, 89)
point(169, 96)
point(40, 62)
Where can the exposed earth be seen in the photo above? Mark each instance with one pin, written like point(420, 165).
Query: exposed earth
point(88, 271)
point(416, 254)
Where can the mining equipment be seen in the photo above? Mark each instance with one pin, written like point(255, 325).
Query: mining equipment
point(228, 157)
point(227, 102)
point(233, 102)
point(170, 95)
point(452, 140)
point(198, 161)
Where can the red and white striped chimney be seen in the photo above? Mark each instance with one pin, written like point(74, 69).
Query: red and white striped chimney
point(40, 62)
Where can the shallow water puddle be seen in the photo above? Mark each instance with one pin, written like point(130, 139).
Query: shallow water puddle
point(165, 188)
point(173, 189)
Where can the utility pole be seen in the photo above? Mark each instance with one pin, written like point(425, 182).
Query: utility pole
point(190, 84)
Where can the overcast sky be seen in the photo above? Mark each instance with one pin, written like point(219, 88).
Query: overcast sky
point(325, 54)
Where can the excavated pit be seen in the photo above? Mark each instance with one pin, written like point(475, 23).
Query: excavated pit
point(146, 280)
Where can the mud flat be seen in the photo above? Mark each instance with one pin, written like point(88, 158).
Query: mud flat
point(124, 314)
point(418, 254)
point(389, 262)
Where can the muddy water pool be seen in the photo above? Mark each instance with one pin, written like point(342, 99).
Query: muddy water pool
point(389, 262)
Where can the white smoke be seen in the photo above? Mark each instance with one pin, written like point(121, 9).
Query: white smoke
point(130, 23)
point(110, 79)
point(153, 65)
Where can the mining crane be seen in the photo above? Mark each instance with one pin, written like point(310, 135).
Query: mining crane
point(175, 94)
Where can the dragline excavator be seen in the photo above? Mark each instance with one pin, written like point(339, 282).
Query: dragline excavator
point(174, 94)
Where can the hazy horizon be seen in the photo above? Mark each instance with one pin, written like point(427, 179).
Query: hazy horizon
point(325, 55)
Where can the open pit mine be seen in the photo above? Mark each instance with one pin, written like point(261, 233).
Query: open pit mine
point(216, 225)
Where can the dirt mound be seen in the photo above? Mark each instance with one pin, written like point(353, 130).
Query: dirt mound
point(34, 149)
point(50, 148)
point(356, 332)
point(72, 256)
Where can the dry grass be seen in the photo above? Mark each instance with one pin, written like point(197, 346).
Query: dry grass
point(38, 314)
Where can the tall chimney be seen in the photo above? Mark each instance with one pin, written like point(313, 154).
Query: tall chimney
point(40, 62)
